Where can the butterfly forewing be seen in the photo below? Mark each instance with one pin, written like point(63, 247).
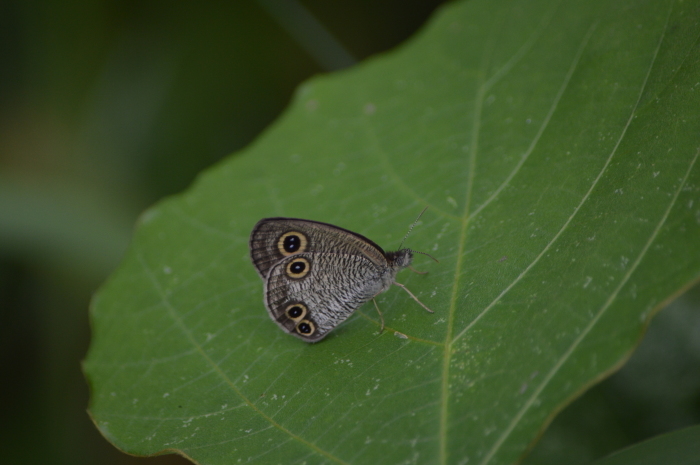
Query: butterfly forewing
point(273, 239)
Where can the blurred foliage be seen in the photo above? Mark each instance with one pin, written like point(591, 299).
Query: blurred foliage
point(680, 447)
point(106, 107)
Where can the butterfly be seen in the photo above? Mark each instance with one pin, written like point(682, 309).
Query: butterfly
point(316, 274)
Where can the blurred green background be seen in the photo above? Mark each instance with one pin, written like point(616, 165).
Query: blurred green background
point(106, 107)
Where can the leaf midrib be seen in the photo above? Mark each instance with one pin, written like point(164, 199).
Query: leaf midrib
point(482, 89)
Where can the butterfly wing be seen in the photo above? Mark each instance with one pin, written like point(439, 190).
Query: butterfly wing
point(274, 239)
point(308, 294)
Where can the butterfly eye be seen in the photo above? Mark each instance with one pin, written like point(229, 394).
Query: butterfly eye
point(292, 242)
point(295, 312)
point(306, 328)
point(298, 268)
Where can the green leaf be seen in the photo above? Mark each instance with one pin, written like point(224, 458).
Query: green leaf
point(679, 448)
point(555, 145)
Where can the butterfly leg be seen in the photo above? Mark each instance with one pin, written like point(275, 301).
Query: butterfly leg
point(380, 315)
point(414, 297)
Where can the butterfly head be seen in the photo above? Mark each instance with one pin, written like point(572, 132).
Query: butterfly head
point(400, 259)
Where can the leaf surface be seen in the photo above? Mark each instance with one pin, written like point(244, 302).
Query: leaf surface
point(555, 145)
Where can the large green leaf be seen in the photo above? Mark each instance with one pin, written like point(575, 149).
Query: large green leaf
point(556, 147)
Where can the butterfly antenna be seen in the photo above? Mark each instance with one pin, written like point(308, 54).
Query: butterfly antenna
point(411, 229)
point(427, 254)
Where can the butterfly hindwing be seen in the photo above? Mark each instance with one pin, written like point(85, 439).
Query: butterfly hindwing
point(310, 293)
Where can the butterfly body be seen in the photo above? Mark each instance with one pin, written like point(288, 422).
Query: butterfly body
point(316, 274)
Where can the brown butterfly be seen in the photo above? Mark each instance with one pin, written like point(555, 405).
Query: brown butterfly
point(316, 274)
